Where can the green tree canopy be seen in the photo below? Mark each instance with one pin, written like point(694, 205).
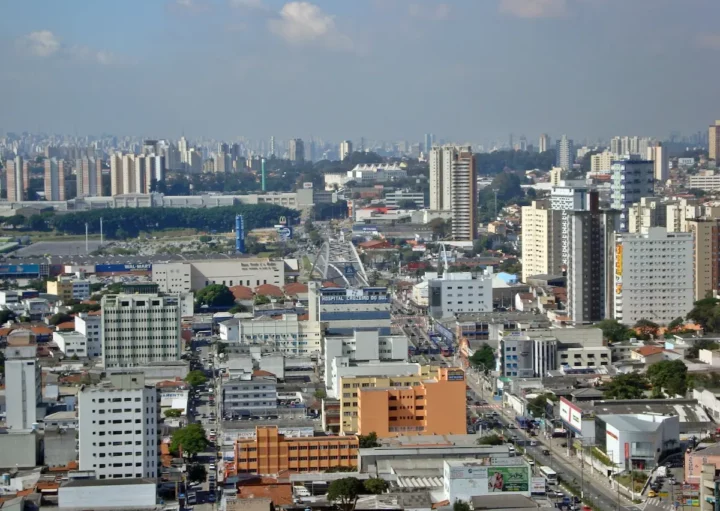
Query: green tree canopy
point(701, 344)
point(613, 330)
point(461, 505)
point(197, 473)
point(172, 412)
point(484, 358)
point(345, 492)
point(670, 375)
point(215, 295)
point(537, 406)
point(195, 378)
point(375, 486)
point(675, 323)
point(492, 439)
point(60, 317)
point(626, 386)
point(191, 439)
point(368, 441)
point(706, 313)
point(6, 315)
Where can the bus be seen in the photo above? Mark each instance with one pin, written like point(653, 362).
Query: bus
point(549, 474)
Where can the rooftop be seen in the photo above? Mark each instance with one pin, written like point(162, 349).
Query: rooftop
point(107, 482)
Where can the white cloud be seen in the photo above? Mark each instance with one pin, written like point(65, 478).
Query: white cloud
point(708, 41)
point(41, 43)
point(188, 6)
point(434, 13)
point(534, 8)
point(305, 23)
point(248, 4)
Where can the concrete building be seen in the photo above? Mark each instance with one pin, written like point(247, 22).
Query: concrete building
point(89, 177)
point(565, 153)
point(296, 150)
point(467, 480)
point(72, 344)
point(20, 449)
point(54, 180)
point(601, 163)
point(590, 245)
point(288, 334)
point(345, 310)
point(271, 453)
point(90, 325)
point(661, 161)
point(140, 329)
point(649, 212)
point(544, 143)
point(631, 181)
point(116, 177)
point(714, 141)
point(653, 276)
point(251, 395)
point(707, 181)
point(69, 288)
point(679, 212)
point(434, 407)
point(706, 255)
point(187, 276)
point(22, 381)
point(453, 293)
point(453, 187)
point(346, 149)
point(16, 175)
point(59, 446)
point(541, 240)
point(118, 428)
point(126, 493)
point(392, 199)
point(571, 198)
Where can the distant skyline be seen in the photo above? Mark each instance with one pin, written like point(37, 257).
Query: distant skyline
point(466, 70)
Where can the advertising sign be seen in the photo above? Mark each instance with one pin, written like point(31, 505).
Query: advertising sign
point(686, 162)
point(456, 376)
point(618, 262)
point(120, 268)
point(571, 415)
point(19, 269)
point(508, 479)
point(307, 185)
point(537, 485)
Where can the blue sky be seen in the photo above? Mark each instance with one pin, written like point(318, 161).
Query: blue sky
point(468, 70)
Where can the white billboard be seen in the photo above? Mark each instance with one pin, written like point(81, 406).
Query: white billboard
point(571, 414)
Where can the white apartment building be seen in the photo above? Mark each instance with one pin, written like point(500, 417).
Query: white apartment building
point(287, 335)
point(454, 293)
point(90, 325)
point(346, 149)
point(541, 240)
point(565, 153)
point(678, 213)
point(565, 199)
point(649, 212)
point(23, 386)
point(187, 276)
point(631, 181)
point(659, 156)
point(118, 428)
point(705, 181)
point(654, 276)
point(140, 329)
point(72, 344)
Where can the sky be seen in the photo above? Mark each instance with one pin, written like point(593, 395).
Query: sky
point(465, 70)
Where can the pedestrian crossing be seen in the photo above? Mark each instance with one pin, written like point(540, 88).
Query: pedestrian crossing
point(657, 503)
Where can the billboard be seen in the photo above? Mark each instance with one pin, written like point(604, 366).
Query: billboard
point(307, 185)
point(537, 485)
point(571, 415)
point(686, 162)
point(122, 268)
point(19, 269)
point(618, 268)
point(508, 479)
point(456, 375)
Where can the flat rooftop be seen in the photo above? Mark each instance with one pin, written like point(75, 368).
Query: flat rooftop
point(688, 410)
point(76, 483)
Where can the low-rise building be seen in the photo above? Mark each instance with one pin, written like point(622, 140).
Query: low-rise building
point(249, 395)
point(69, 288)
point(89, 325)
point(72, 344)
point(108, 494)
point(457, 293)
point(286, 334)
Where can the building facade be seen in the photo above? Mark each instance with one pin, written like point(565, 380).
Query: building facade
point(649, 212)
point(22, 381)
point(72, 344)
point(256, 395)
point(296, 150)
point(288, 334)
point(90, 325)
point(345, 310)
point(706, 255)
point(457, 293)
point(54, 180)
point(346, 149)
point(571, 198)
point(631, 181)
point(660, 158)
point(714, 141)
point(69, 288)
point(140, 329)
point(565, 153)
point(187, 276)
point(118, 428)
point(541, 240)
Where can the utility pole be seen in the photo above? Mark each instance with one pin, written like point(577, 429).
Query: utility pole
point(101, 232)
point(87, 249)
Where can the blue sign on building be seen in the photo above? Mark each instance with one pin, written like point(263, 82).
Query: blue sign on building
point(20, 269)
point(121, 268)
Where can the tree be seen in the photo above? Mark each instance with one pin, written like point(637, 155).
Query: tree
point(537, 406)
point(261, 300)
point(701, 344)
point(613, 330)
point(345, 492)
point(511, 265)
point(461, 505)
point(670, 375)
point(191, 439)
point(375, 485)
point(368, 441)
point(215, 295)
point(626, 386)
point(60, 317)
point(484, 358)
point(706, 313)
point(675, 324)
point(320, 394)
point(172, 412)
point(407, 204)
point(646, 328)
point(482, 244)
point(197, 473)
point(5, 316)
point(195, 378)
point(490, 440)
point(237, 308)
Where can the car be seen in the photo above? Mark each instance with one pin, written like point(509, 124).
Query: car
point(652, 494)
point(546, 452)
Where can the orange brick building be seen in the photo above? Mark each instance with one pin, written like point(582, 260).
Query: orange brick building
point(433, 407)
point(271, 453)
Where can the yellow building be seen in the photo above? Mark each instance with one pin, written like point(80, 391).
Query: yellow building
point(352, 386)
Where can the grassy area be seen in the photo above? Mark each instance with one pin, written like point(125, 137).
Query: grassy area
point(601, 456)
point(637, 479)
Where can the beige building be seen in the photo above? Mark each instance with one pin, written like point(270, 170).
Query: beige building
point(541, 240)
point(678, 214)
point(556, 176)
point(659, 156)
point(602, 162)
point(705, 255)
point(187, 276)
point(714, 141)
point(116, 175)
point(649, 212)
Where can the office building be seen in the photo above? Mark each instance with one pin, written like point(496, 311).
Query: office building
point(138, 330)
point(286, 334)
point(706, 255)
point(602, 162)
point(434, 406)
point(588, 268)
point(88, 172)
point(565, 153)
point(296, 150)
point(541, 240)
point(189, 276)
point(89, 324)
point(116, 174)
point(714, 141)
point(118, 428)
point(346, 149)
point(631, 181)
point(249, 395)
point(453, 187)
point(454, 293)
point(16, 174)
point(69, 288)
point(393, 199)
point(705, 180)
point(653, 276)
point(544, 143)
point(659, 156)
point(571, 198)
point(649, 212)
point(22, 381)
point(271, 453)
point(72, 344)
point(54, 180)
point(345, 310)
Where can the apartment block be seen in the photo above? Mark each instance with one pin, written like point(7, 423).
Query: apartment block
point(602, 162)
point(272, 453)
point(453, 293)
point(89, 325)
point(541, 240)
point(69, 288)
point(286, 334)
point(706, 256)
point(453, 187)
point(140, 329)
point(631, 181)
point(22, 381)
point(649, 212)
point(435, 406)
point(54, 180)
point(118, 428)
point(714, 141)
point(565, 198)
point(679, 212)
